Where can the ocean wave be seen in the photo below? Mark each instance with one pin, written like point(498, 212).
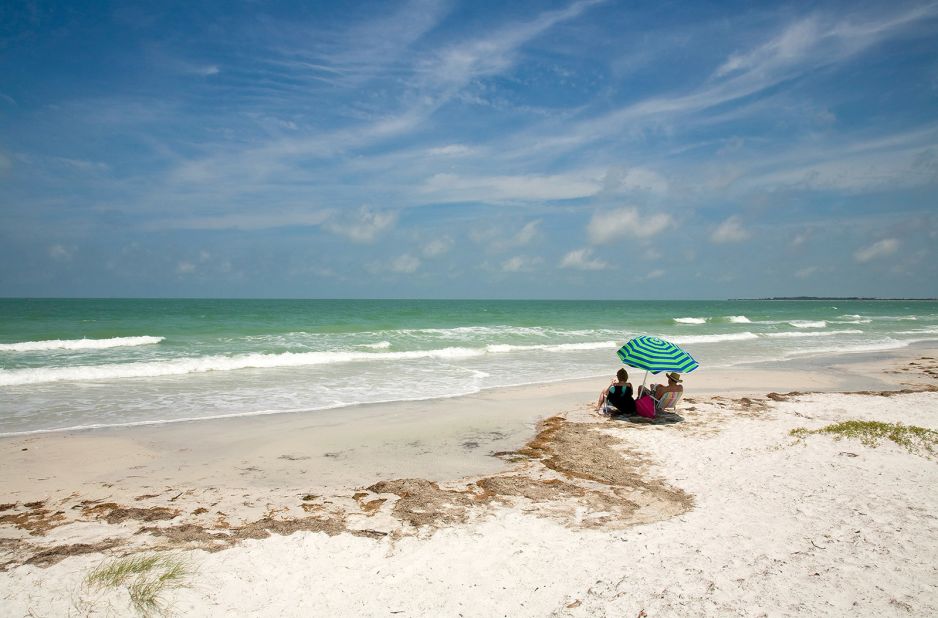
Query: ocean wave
point(933, 330)
point(808, 323)
point(183, 366)
point(684, 340)
point(501, 348)
point(827, 333)
point(381, 345)
point(738, 319)
point(78, 344)
point(691, 320)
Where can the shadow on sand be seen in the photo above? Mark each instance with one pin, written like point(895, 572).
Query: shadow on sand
point(663, 418)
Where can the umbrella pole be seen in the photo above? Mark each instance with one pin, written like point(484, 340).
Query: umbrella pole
point(642, 387)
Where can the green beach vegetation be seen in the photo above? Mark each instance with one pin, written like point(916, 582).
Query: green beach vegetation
point(871, 433)
point(145, 578)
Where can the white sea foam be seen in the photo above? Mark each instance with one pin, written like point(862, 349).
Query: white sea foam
point(183, 366)
point(738, 319)
point(684, 340)
point(933, 330)
point(691, 320)
point(808, 323)
point(501, 348)
point(381, 345)
point(888, 344)
point(78, 344)
point(827, 333)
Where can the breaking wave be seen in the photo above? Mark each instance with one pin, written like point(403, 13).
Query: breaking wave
point(183, 366)
point(78, 344)
point(684, 340)
point(827, 333)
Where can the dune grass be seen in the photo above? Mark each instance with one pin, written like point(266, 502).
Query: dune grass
point(145, 578)
point(871, 433)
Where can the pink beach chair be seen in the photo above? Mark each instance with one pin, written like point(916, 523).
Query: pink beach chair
point(667, 403)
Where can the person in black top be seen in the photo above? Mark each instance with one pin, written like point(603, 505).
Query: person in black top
point(619, 394)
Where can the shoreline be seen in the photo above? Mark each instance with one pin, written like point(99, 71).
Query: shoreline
point(713, 385)
point(417, 476)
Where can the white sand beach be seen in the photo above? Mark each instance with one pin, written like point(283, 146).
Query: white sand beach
point(513, 502)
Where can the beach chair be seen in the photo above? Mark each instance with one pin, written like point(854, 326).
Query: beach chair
point(667, 403)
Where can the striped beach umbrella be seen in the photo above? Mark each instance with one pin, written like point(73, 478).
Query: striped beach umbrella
point(656, 355)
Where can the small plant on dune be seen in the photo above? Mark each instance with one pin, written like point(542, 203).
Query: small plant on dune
point(144, 576)
point(872, 433)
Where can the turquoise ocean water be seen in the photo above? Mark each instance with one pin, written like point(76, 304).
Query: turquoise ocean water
point(68, 364)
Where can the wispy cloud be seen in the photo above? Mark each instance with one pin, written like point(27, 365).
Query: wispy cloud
point(453, 187)
point(805, 45)
point(243, 221)
point(879, 249)
point(482, 140)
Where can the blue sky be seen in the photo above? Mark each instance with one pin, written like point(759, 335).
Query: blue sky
point(437, 149)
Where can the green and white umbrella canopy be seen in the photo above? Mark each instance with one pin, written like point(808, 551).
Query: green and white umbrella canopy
point(656, 355)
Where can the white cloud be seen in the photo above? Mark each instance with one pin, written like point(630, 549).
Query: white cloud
point(730, 230)
point(881, 248)
point(610, 226)
point(520, 264)
point(61, 253)
point(405, 264)
point(621, 180)
point(655, 274)
point(582, 259)
point(437, 246)
point(800, 238)
point(528, 232)
point(806, 272)
point(185, 267)
point(363, 226)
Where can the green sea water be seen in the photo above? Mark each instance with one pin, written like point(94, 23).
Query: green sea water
point(84, 363)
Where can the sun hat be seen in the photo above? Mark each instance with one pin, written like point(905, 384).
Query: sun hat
point(674, 376)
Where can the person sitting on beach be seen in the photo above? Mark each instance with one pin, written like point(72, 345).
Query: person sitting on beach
point(657, 390)
point(619, 394)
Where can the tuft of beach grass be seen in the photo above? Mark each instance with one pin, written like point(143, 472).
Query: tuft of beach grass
point(914, 439)
point(145, 577)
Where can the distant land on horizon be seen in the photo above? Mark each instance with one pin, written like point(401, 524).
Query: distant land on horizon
point(833, 298)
